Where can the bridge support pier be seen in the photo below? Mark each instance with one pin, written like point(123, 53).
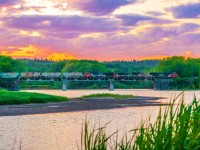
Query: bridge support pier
point(163, 84)
point(154, 85)
point(111, 86)
point(12, 84)
point(52, 82)
point(64, 84)
point(15, 85)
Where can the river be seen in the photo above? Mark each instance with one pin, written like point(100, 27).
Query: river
point(61, 131)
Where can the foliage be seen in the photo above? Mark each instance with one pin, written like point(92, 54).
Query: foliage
point(9, 98)
point(108, 95)
point(144, 66)
point(188, 70)
point(40, 85)
point(185, 67)
point(84, 66)
point(37, 65)
point(134, 85)
point(186, 83)
point(7, 64)
point(175, 128)
point(101, 67)
point(57, 66)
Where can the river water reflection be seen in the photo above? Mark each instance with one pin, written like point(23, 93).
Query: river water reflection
point(61, 131)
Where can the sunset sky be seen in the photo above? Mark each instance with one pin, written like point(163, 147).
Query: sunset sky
point(99, 29)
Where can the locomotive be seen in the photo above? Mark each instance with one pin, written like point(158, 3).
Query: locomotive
point(164, 75)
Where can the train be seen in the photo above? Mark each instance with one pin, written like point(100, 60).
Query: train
point(164, 75)
point(38, 75)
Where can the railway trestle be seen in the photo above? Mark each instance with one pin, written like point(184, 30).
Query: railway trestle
point(12, 82)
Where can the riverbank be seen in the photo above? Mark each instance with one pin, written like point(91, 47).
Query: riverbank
point(78, 104)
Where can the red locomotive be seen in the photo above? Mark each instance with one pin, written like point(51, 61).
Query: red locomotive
point(173, 75)
point(88, 75)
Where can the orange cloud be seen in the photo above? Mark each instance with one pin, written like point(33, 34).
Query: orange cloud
point(29, 51)
point(60, 56)
point(32, 52)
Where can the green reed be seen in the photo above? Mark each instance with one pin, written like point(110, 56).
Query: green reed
point(177, 127)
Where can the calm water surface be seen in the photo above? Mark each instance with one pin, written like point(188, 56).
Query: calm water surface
point(61, 131)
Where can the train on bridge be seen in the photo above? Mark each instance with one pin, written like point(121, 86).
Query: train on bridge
point(77, 75)
point(161, 80)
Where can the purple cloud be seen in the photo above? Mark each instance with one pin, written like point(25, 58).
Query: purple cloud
point(8, 2)
point(187, 11)
point(186, 27)
point(102, 7)
point(25, 8)
point(157, 33)
point(63, 23)
point(155, 13)
point(62, 35)
point(180, 40)
point(133, 19)
point(190, 39)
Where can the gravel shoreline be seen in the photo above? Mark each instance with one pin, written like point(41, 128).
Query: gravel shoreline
point(78, 105)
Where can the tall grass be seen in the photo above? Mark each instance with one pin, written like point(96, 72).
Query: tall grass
point(177, 127)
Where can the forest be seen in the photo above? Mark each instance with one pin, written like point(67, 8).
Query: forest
point(188, 70)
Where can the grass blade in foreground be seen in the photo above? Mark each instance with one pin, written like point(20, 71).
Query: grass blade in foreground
point(178, 127)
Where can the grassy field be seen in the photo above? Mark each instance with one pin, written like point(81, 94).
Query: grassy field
point(108, 95)
point(176, 128)
point(9, 98)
